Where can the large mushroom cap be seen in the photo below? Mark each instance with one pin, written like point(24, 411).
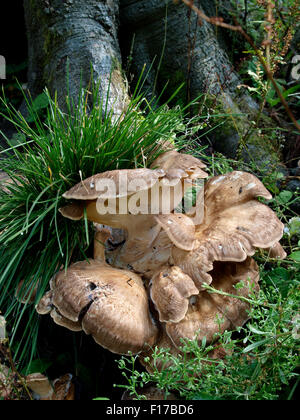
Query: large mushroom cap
point(110, 304)
point(211, 313)
point(137, 180)
point(235, 225)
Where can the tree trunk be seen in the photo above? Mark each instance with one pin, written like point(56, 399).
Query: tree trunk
point(68, 38)
point(185, 51)
point(80, 34)
point(187, 48)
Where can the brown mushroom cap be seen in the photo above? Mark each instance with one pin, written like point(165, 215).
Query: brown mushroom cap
point(179, 228)
point(210, 313)
point(74, 211)
point(235, 224)
point(276, 251)
point(87, 189)
point(65, 322)
point(45, 306)
point(110, 304)
point(40, 385)
point(175, 160)
point(60, 389)
point(170, 292)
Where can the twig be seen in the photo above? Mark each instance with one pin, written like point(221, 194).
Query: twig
point(218, 21)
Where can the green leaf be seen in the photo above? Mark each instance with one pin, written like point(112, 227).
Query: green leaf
point(40, 102)
point(285, 197)
point(281, 278)
point(37, 366)
point(294, 226)
point(256, 331)
point(295, 256)
point(255, 345)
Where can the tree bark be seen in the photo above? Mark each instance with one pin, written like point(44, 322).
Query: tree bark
point(188, 48)
point(68, 38)
point(186, 51)
point(80, 34)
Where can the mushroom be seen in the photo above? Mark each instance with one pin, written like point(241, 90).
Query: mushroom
point(58, 390)
point(153, 259)
point(175, 254)
point(106, 302)
point(235, 224)
point(175, 160)
point(208, 313)
point(212, 313)
point(172, 162)
point(276, 251)
point(170, 292)
point(142, 229)
point(123, 182)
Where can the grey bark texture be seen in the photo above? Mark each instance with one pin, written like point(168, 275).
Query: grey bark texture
point(82, 33)
point(196, 54)
point(74, 34)
point(211, 70)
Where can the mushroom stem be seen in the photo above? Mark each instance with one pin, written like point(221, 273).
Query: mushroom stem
point(141, 230)
point(101, 237)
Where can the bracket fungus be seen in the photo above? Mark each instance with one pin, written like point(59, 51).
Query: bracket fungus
point(152, 288)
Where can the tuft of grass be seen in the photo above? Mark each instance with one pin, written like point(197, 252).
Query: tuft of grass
point(53, 150)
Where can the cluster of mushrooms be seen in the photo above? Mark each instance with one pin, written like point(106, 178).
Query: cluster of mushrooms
point(146, 285)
